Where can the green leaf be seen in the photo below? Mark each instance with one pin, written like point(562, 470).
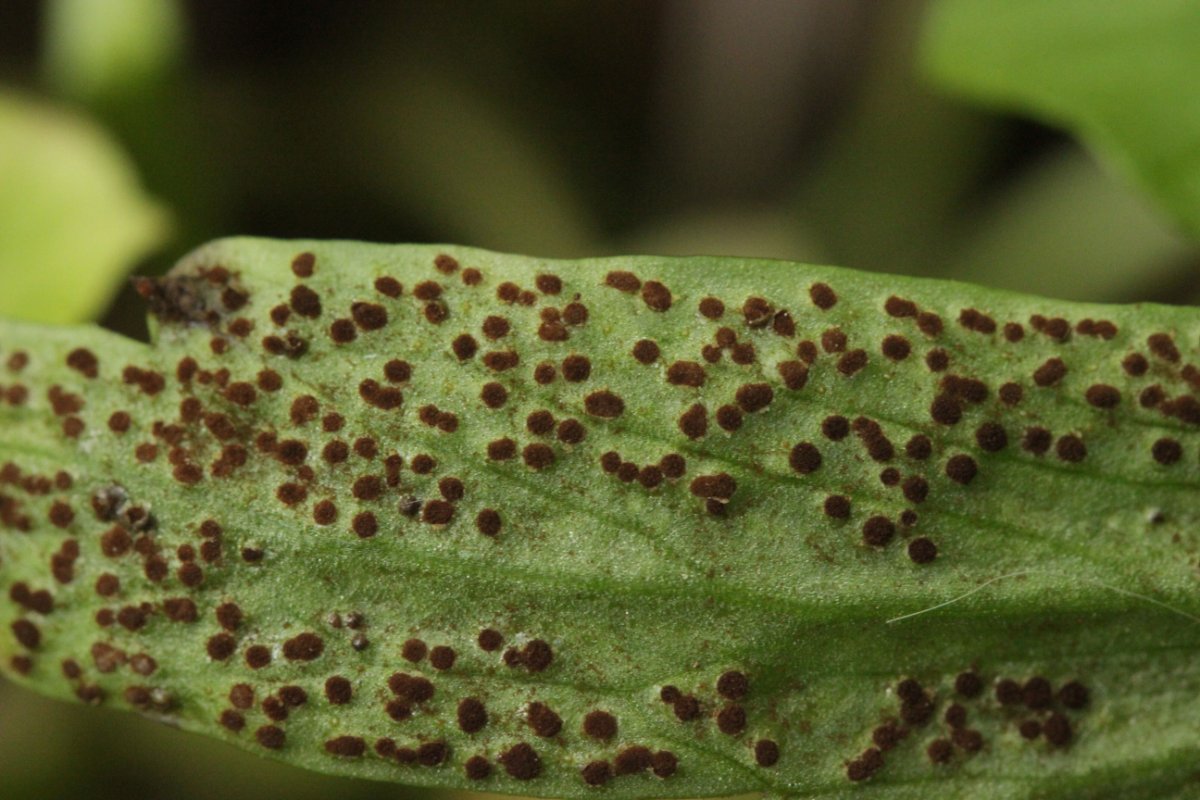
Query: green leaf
point(100, 49)
point(1120, 75)
point(343, 476)
point(75, 220)
point(1065, 228)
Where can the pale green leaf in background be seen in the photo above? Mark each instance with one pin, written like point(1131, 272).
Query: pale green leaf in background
point(73, 218)
point(100, 49)
point(1121, 75)
point(1073, 231)
point(763, 524)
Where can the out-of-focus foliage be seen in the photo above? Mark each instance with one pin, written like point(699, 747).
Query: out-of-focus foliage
point(1122, 75)
point(1108, 241)
point(103, 48)
point(72, 216)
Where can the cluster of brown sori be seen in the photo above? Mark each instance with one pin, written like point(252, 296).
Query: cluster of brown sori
point(1032, 705)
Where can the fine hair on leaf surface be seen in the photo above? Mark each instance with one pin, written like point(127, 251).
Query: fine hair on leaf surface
point(634, 527)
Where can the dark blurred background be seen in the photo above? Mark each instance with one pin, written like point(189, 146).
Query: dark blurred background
point(796, 129)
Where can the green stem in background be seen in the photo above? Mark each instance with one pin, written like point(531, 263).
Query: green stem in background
point(677, 527)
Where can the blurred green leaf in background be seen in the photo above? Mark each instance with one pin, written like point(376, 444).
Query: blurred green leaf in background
point(1122, 75)
point(103, 48)
point(72, 214)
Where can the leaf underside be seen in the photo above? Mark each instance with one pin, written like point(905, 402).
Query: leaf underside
point(671, 527)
